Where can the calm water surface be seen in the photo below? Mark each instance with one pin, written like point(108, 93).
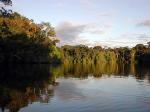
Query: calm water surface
point(75, 88)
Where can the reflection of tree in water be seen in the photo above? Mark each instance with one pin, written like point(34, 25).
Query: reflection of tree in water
point(83, 71)
point(142, 71)
point(95, 70)
point(23, 85)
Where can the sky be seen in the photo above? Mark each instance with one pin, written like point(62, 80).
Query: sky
point(111, 23)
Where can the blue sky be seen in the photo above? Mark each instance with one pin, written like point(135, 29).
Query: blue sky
point(92, 22)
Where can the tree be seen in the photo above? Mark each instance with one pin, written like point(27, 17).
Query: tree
point(148, 44)
point(23, 41)
point(139, 47)
point(3, 11)
point(6, 2)
point(47, 29)
point(97, 48)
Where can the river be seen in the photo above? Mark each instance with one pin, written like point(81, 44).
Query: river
point(75, 88)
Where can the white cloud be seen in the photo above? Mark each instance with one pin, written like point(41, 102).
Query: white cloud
point(125, 40)
point(71, 33)
point(74, 34)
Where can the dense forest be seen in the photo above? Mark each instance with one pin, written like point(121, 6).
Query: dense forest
point(21, 40)
point(84, 54)
point(24, 41)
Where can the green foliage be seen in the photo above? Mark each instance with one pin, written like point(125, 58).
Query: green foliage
point(123, 54)
point(97, 54)
point(86, 55)
point(47, 29)
point(22, 40)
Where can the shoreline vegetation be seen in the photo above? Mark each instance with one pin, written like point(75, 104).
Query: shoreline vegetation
point(24, 41)
point(97, 55)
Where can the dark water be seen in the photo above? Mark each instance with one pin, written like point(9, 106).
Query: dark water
point(75, 88)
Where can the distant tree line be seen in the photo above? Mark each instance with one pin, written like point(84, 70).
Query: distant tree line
point(24, 41)
point(84, 54)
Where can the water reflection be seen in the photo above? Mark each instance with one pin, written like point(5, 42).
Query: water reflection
point(22, 85)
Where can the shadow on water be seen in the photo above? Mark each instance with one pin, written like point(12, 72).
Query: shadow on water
point(21, 85)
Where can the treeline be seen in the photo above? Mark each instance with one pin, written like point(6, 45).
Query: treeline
point(23, 41)
point(96, 55)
